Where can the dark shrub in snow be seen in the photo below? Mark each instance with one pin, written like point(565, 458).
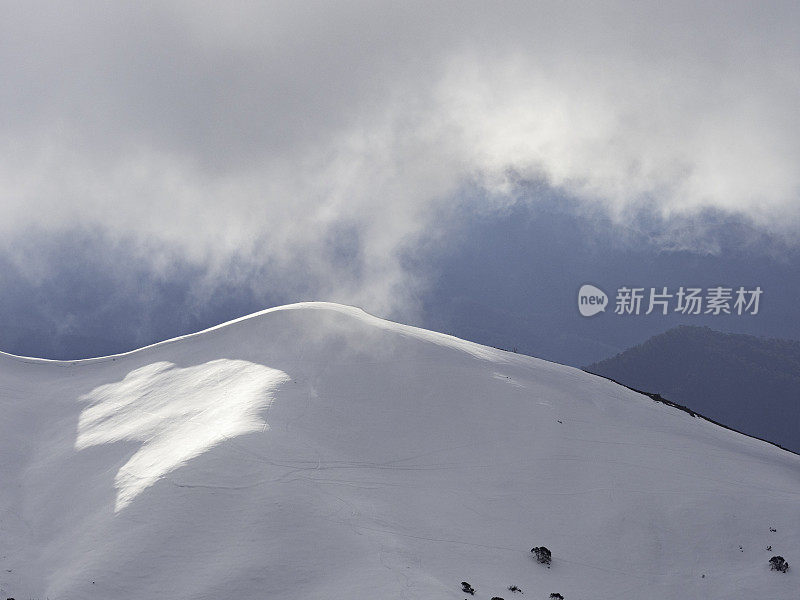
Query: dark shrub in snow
point(543, 555)
point(556, 596)
point(778, 563)
point(515, 589)
point(467, 588)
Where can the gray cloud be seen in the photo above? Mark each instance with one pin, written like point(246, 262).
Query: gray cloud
point(326, 139)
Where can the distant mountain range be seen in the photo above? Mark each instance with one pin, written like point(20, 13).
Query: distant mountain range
point(748, 383)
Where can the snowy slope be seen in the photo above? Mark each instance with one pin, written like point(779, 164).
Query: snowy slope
point(316, 452)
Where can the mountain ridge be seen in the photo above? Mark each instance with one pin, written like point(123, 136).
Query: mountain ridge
point(749, 383)
point(320, 452)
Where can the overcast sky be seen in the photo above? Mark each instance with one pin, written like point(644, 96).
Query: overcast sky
point(317, 150)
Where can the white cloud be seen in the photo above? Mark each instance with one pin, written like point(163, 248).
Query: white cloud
point(258, 133)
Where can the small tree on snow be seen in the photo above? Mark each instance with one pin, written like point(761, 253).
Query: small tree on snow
point(543, 555)
point(467, 588)
point(778, 563)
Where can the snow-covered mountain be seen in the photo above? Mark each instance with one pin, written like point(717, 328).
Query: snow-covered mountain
point(315, 452)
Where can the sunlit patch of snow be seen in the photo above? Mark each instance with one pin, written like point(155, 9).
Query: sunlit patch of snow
point(177, 414)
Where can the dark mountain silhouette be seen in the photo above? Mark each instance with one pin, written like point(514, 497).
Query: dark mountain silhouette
point(751, 384)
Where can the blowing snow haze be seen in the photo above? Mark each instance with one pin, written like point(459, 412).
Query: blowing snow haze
point(461, 167)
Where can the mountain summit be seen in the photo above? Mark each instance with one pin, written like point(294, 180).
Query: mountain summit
point(313, 451)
